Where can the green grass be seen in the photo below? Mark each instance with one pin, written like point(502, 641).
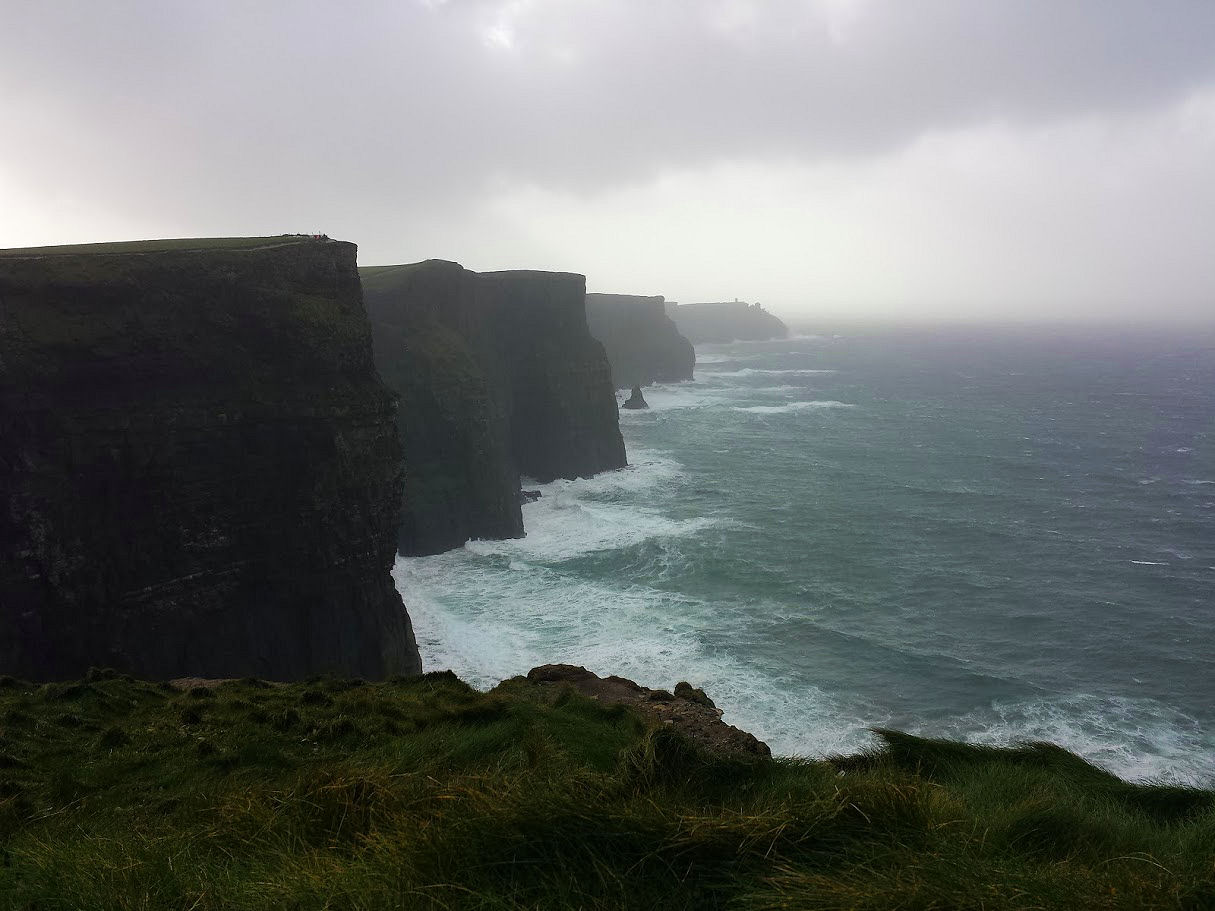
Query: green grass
point(157, 246)
point(423, 793)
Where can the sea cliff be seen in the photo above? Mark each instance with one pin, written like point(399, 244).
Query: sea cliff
point(202, 473)
point(498, 376)
point(726, 322)
point(643, 345)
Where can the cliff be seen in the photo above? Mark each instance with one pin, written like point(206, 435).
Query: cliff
point(643, 345)
point(726, 322)
point(564, 422)
point(498, 376)
point(201, 471)
point(433, 345)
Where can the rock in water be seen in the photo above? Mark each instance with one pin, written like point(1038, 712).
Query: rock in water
point(643, 345)
point(498, 376)
point(636, 400)
point(202, 476)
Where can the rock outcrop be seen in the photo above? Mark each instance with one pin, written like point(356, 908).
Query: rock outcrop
point(498, 377)
point(726, 322)
point(643, 345)
point(201, 472)
point(636, 400)
point(687, 710)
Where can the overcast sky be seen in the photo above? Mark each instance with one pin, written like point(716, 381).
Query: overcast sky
point(1020, 160)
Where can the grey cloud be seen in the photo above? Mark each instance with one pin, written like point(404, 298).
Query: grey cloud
point(222, 105)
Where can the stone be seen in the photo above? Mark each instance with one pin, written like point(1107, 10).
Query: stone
point(684, 710)
point(636, 400)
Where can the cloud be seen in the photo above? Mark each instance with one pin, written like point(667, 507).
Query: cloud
point(395, 122)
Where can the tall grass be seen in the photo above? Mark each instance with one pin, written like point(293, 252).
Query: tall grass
point(423, 793)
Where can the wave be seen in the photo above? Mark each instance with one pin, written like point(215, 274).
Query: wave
point(791, 407)
point(765, 371)
point(1138, 739)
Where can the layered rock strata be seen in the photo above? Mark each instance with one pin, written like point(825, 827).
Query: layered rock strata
point(498, 377)
point(201, 470)
point(643, 345)
point(726, 322)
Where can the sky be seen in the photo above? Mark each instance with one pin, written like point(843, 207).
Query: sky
point(886, 159)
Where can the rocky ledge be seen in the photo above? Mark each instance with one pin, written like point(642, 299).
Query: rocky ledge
point(687, 709)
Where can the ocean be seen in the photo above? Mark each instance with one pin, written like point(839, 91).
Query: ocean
point(990, 534)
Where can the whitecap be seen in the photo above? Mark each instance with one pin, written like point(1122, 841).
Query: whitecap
point(791, 407)
point(765, 371)
point(1135, 738)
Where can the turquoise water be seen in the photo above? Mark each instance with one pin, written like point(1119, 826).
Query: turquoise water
point(988, 535)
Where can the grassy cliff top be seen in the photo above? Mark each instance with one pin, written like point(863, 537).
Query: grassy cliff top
point(423, 793)
point(162, 246)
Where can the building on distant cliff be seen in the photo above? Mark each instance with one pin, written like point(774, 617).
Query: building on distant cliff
point(726, 322)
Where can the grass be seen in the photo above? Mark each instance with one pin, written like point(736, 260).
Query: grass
point(157, 246)
point(422, 793)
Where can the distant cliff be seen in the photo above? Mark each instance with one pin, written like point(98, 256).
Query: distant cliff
point(201, 471)
point(434, 345)
point(726, 322)
point(498, 376)
point(643, 345)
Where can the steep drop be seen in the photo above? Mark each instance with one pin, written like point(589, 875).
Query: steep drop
point(642, 343)
point(202, 475)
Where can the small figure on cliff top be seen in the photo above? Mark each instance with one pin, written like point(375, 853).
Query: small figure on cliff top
point(636, 399)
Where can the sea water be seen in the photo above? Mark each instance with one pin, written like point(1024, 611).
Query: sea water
point(993, 535)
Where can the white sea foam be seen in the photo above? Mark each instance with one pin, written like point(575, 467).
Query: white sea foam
point(790, 407)
point(765, 371)
point(1139, 739)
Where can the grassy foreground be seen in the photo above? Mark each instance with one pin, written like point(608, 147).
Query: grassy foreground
point(423, 793)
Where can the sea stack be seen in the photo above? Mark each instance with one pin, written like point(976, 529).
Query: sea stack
point(635, 400)
point(202, 470)
point(498, 377)
point(642, 343)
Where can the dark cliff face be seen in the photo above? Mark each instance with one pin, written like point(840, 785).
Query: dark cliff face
point(726, 322)
point(201, 471)
point(432, 333)
point(564, 420)
point(642, 343)
point(498, 376)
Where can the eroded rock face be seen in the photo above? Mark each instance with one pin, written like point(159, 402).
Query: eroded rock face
point(202, 475)
point(434, 345)
point(726, 322)
point(643, 345)
point(498, 377)
point(688, 710)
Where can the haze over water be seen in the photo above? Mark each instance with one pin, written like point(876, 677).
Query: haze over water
point(983, 534)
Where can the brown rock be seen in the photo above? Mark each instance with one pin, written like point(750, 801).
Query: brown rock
point(687, 710)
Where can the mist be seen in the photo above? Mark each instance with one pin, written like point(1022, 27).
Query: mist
point(839, 159)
